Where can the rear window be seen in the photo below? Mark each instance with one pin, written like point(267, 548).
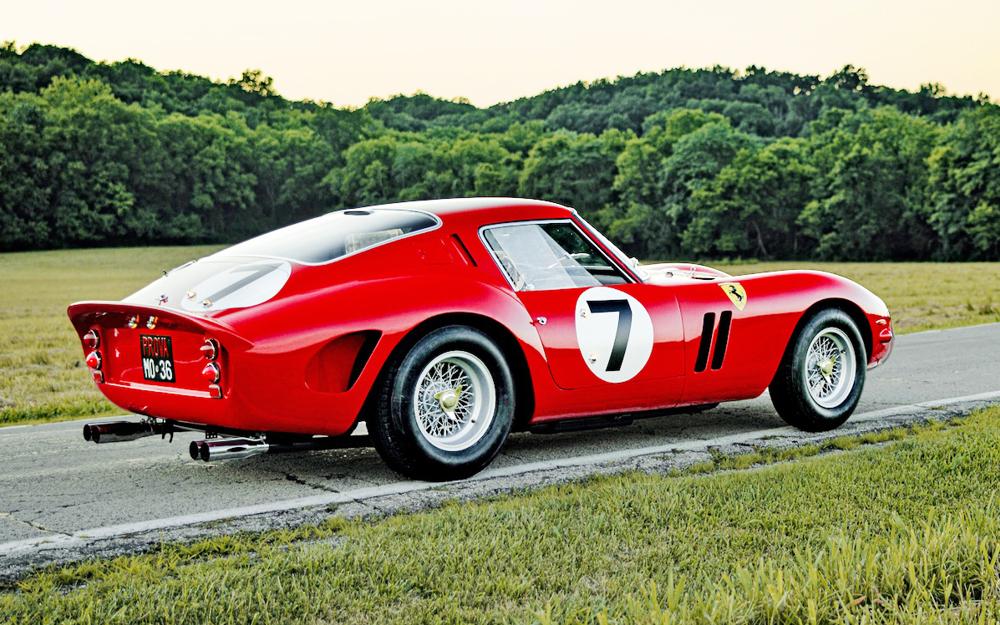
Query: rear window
point(334, 235)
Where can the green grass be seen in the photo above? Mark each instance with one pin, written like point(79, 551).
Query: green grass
point(41, 360)
point(908, 532)
point(44, 378)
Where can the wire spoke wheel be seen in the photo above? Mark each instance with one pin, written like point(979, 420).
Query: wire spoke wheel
point(819, 381)
point(455, 401)
point(829, 367)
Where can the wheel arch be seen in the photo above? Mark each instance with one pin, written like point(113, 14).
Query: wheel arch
point(524, 391)
point(851, 309)
point(789, 395)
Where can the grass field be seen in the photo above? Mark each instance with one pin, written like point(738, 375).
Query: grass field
point(904, 533)
point(44, 378)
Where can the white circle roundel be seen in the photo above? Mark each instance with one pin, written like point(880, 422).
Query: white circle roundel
point(614, 332)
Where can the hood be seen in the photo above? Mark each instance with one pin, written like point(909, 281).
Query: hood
point(664, 273)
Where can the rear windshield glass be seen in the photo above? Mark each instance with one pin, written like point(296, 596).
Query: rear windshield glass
point(334, 235)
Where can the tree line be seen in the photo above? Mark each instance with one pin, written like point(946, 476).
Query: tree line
point(678, 164)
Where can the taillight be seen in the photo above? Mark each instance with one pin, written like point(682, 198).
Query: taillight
point(211, 372)
point(210, 350)
point(92, 339)
point(94, 362)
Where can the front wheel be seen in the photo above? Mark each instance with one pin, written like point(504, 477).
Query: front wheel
point(445, 407)
point(819, 381)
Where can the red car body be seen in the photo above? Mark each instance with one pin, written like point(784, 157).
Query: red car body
point(310, 357)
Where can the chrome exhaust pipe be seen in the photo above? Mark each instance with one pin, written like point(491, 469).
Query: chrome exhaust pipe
point(118, 431)
point(226, 448)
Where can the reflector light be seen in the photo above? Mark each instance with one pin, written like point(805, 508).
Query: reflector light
point(211, 372)
point(94, 361)
point(151, 323)
point(98, 376)
point(210, 349)
point(92, 339)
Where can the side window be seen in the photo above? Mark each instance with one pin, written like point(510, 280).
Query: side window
point(549, 256)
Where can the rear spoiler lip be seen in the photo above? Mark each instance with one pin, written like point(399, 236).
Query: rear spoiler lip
point(85, 314)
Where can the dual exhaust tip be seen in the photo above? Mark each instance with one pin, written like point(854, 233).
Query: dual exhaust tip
point(119, 431)
point(218, 448)
point(226, 448)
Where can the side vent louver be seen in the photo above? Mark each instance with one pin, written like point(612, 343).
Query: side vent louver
point(722, 340)
point(707, 326)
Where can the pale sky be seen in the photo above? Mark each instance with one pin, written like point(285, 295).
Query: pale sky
point(489, 52)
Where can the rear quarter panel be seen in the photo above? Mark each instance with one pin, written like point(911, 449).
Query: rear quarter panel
point(387, 292)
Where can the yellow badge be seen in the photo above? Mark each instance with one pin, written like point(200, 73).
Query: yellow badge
point(736, 293)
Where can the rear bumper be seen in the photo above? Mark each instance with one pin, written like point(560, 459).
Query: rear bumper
point(257, 388)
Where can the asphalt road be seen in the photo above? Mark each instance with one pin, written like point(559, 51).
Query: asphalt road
point(62, 498)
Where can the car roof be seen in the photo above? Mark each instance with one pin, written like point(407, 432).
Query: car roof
point(484, 209)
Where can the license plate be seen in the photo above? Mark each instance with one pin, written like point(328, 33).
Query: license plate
point(157, 358)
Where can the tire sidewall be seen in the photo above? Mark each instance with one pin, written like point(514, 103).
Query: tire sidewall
point(831, 318)
point(453, 338)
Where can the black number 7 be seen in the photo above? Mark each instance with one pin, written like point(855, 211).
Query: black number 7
point(620, 306)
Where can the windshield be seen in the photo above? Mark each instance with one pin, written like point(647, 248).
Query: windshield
point(334, 235)
point(631, 263)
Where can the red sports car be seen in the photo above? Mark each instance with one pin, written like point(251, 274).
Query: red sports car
point(444, 325)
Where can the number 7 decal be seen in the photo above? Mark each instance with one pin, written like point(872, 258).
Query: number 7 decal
point(614, 332)
point(624, 311)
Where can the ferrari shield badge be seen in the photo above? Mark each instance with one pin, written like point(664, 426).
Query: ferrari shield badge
point(737, 294)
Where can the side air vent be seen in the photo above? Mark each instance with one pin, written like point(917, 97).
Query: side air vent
point(722, 340)
point(707, 326)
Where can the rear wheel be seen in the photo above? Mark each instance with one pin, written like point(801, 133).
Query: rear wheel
point(445, 407)
point(820, 378)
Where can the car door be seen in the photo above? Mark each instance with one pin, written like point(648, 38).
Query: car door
point(598, 326)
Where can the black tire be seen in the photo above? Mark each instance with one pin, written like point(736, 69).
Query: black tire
point(820, 378)
point(413, 429)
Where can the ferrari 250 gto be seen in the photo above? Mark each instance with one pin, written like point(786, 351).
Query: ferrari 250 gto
point(445, 325)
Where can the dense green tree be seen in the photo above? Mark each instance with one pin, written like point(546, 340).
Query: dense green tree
point(685, 161)
point(653, 186)
point(86, 154)
point(576, 170)
point(400, 167)
point(873, 185)
point(290, 166)
point(964, 202)
point(750, 208)
point(209, 188)
point(24, 189)
point(697, 159)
